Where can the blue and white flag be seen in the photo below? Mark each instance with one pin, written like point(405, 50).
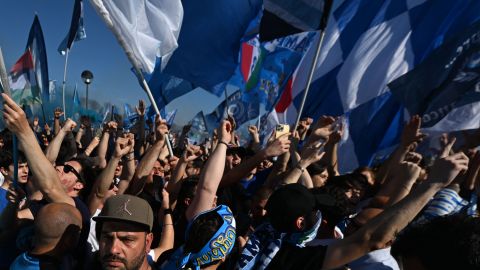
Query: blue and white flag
point(77, 28)
point(446, 83)
point(368, 44)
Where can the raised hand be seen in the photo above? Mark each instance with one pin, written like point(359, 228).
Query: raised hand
point(413, 157)
point(58, 113)
point(161, 128)
point(445, 169)
point(111, 126)
point(321, 130)
point(14, 116)
point(123, 146)
point(411, 132)
point(225, 131)
point(278, 147)
point(447, 144)
point(140, 109)
point(69, 125)
point(406, 171)
point(313, 153)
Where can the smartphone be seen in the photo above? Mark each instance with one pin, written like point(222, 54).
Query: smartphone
point(158, 184)
point(281, 130)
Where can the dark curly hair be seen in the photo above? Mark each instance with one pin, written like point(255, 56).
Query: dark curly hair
point(450, 242)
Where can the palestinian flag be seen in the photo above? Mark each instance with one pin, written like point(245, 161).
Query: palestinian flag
point(23, 82)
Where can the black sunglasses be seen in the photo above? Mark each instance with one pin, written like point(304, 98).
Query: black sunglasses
point(114, 184)
point(68, 168)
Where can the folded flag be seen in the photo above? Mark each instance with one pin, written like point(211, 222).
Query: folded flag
point(77, 28)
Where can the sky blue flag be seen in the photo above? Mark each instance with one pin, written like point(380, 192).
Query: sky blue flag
point(198, 130)
point(265, 68)
point(76, 98)
point(367, 45)
point(165, 88)
point(77, 29)
point(36, 44)
point(240, 110)
point(209, 41)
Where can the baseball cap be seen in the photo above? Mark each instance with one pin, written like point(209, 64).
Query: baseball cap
point(127, 208)
point(291, 201)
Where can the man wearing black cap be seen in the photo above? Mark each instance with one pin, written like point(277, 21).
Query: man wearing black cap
point(124, 230)
point(295, 219)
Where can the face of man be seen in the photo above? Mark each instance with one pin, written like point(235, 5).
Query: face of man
point(232, 160)
point(68, 178)
point(22, 172)
point(123, 246)
point(320, 179)
point(118, 170)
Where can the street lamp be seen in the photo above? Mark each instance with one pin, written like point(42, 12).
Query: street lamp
point(87, 77)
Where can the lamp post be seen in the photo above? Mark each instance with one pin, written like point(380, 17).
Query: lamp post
point(87, 77)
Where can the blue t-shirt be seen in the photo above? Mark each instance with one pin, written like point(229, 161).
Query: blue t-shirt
point(3, 199)
point(25, 262)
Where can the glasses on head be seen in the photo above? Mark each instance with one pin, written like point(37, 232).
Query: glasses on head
point(69, 168)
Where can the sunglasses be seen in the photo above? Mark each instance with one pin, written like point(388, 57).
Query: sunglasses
point(114, 184)
point(68, 168)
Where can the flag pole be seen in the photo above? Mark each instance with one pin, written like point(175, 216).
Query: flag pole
point(146, 88)
point(63, 84)
point(226, 101)
point(326, 12)
point(6, 89)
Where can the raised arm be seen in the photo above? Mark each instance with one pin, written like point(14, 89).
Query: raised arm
point(168, 233)
point(56, 122)
point(276, 148)
point(122, 147)
point(211, 174)
point(173, 187)
point(45, 176)
point(146, 164)
point(378, 232)
point(54, 146)
point(128, 167)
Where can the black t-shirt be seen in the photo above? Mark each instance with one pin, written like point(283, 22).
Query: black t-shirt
point(292, 257)
point(35, 207)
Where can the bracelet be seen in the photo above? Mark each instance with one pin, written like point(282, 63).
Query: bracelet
point(222, 142)
point(168, 211)
point(129, 158)
point(300, 168)
point(166, 224)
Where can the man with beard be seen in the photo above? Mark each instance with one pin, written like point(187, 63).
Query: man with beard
point(124, 233)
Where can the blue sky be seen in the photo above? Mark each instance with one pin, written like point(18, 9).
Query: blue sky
point(99, 52)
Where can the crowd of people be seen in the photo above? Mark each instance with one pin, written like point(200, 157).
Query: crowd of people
point(81, 199)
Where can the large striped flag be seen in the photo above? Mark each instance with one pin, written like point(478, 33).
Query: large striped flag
point(77, 28)
point(368, 44)
point(23, 83)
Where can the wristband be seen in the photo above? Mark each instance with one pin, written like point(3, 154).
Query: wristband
point(168, 211)
point(300, 168)
point(222, 142)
